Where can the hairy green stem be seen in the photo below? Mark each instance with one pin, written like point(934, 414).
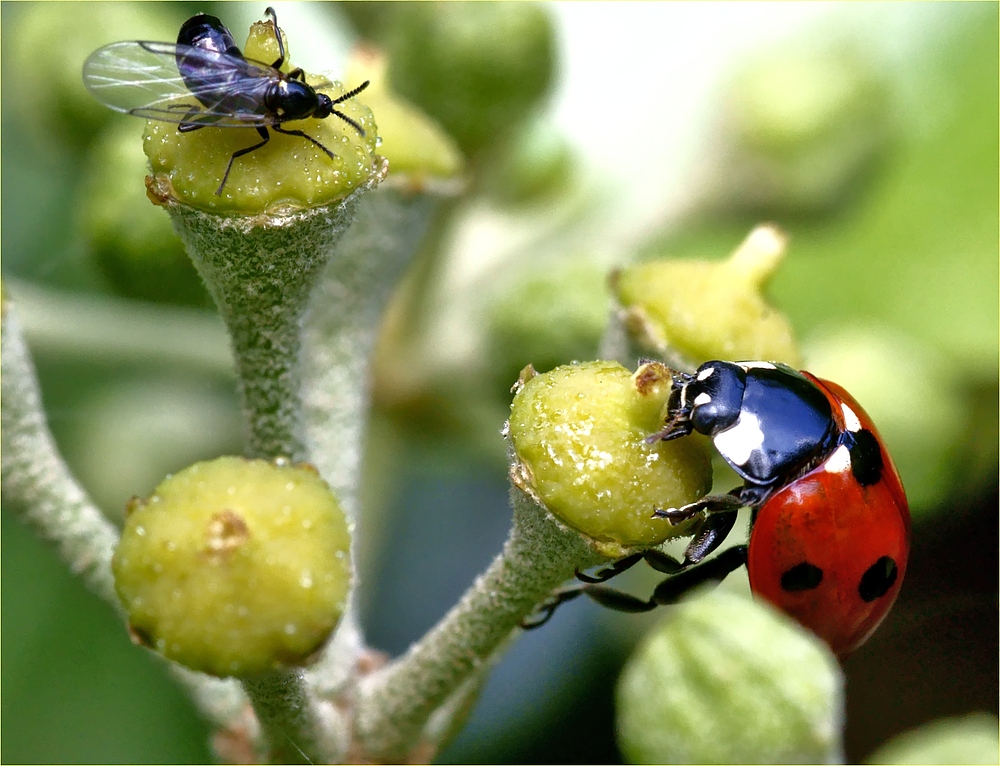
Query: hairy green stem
point(261, 271)
point(37, 483)
point(292, 719)
point(343, 324)
point(39, 488)
point(340, 333)
point(395, 704)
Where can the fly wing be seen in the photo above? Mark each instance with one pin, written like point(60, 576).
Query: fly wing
point(141, 78)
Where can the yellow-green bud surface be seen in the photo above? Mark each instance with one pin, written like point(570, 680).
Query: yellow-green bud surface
point(414, 144)
point(711, 309)
point(580, 431)
point(235, 566)
point(968, 739)
point(725, 679)
point(288, 173)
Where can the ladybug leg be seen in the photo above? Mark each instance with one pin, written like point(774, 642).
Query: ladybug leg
point(619, 566)
point(671, 590)
point(618, 600)
point(710, 535)
point(661, 562)
point(667, 592)
point(679, 425)
point(545, 610)
point(710, 504)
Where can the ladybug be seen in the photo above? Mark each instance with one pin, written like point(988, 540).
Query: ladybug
point(830, 527)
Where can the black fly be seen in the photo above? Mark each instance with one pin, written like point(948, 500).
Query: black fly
point(147, 78)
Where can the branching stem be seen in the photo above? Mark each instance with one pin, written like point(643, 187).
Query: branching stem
point(395, 704)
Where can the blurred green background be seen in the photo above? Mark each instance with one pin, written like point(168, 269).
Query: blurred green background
point(869, 132)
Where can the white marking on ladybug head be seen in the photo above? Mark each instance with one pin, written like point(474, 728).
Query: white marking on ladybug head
point(756, 365)
point(850, 418)
point(738, 442)
point(839, 461)
point(701, 399)
point(706, 373)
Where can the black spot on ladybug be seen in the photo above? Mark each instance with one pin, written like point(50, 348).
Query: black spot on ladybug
point(877, 580)
point(866, 458)
point(804, 576)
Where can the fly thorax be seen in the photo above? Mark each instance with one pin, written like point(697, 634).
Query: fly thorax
point(291, 100)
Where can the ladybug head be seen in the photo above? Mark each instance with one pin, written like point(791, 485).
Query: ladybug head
point(715, 396)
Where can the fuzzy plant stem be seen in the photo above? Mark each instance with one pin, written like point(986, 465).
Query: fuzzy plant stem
point(343, 324)
point(395, 704)
point(261, 271)
point(37, 483)
point(293, 721)
point(39, 488)
point(340, 333)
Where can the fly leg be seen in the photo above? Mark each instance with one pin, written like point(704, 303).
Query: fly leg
point(300, 134)
point(263, 134)
point(190, 121)
point(269, 11)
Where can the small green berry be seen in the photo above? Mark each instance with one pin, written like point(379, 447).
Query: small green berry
point(235, 567)
point(725, 679)
point(969, 739)
point(803, 128)
point(705, 310)
point(477, 68)
point(537, 167)
point(580, 432)
point(552, 314)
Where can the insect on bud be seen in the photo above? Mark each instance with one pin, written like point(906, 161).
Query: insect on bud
point(580, 431)
point(191, 90)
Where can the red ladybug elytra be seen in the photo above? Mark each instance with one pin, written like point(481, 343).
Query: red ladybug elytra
point(831, 528)
point(830, 547)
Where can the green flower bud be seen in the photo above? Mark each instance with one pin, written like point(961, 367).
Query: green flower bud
point(703, 310)
point(286, 174)
point(477, 68)
point(536, 167)
point(803, 127)
point(235, 567)
point(133, 243)
point(579, 432)
point(909, 391)
point(970, 739)
point(414, 144)
point(551, 315)
point(725, 679)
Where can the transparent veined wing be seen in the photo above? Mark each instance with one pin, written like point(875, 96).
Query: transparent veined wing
point(142, 78)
